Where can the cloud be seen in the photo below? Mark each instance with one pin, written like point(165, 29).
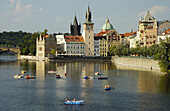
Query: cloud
point(159, 9)
point(156, 10)
point(11, 2)
point(21, 11)
point(28, 6)
point(18, 7)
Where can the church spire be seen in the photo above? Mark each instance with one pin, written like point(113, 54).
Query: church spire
point(88, 15)
point(75, 23)
point(75, 28)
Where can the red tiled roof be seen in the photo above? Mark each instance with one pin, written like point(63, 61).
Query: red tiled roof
point(102, 33)
point(167, 31)
point(128, 34)
point(73, 38)
point(46, 36)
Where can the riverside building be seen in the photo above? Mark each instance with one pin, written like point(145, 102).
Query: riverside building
point(105, 39)
point(148, 30)
point(44, 45)
point(88, 34)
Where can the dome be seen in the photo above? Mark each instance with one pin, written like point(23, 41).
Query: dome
point(107, 26)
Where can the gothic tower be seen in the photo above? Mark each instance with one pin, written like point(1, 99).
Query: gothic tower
point(88, 34)
point(75, 28)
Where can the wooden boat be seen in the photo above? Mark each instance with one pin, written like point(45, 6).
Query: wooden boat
point(107, 88)
point(29, 77)
point(58, 76)
point(23, 71)
point(97, 73)
point(74, 102)
point(87, 77)
point(19, 76)
point(100, 78)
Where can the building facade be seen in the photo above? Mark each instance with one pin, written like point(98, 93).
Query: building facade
point(134, 40)
point(164, 35)
point(148, 30)
point(74, 45)
point(61, 45)
point(44, 45)
point(88, 34)
point(163, 26)
point(126, 38)
point(107, 38)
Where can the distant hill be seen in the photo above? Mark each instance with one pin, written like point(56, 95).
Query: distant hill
point(12, 38)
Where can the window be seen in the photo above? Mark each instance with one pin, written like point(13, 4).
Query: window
point(40, 48)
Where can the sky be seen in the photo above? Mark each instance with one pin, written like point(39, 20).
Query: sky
point(56, 15)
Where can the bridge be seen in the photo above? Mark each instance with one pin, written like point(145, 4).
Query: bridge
point(15, 50)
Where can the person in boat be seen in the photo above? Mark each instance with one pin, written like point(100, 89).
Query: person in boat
point(108, 86)
point(66, 99)
point(74, 99)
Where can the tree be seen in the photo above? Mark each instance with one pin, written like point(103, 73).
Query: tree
point(118, 50)
point(53, 51)
point(45, 32)
point(165, 55)
point(25, 51)
point(112, 48)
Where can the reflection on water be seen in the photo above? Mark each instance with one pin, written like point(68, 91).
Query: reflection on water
point(133, 89)
point(8, 58)
point(139, 81)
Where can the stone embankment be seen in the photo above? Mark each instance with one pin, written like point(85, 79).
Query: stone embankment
point(79, 58)
point(136, 62)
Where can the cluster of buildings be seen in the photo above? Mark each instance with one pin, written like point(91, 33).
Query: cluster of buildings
point(89, 44)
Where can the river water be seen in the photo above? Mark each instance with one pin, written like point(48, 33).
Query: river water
point(132, 90)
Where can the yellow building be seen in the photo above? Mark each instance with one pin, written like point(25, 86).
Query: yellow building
point(107, 38)
point(148, 30)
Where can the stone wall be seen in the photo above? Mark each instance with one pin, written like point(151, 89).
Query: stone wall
point(24, 57)
point(136, 62)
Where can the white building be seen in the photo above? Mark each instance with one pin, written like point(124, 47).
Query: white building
point(61, 44)
point(135, 40)
point(75, 45)
point(164, 35)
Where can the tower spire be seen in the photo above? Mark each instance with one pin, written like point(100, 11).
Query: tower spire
point(88, 15)
point(75, 23)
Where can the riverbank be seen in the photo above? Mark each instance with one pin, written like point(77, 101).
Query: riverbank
point(65, 58)
point(126, 62)
point(136, 62)
point(79, 58)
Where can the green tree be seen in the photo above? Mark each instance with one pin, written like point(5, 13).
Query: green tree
point(165, 55)
point(45, 32)
point(53, 51)
point(112, 48)
point(118, 50)
point(25, 51)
